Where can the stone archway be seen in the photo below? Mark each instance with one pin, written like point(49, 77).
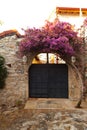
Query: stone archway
point(73, 86)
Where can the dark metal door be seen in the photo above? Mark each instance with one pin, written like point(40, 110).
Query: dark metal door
point(48, 81)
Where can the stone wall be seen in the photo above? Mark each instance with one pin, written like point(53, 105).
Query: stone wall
point(17, 77)
point(17, 82)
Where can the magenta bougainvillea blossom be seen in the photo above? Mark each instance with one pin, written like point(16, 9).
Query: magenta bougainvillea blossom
point(57, 37)
point(85, 21)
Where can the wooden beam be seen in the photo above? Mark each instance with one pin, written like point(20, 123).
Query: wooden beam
point(70, 11)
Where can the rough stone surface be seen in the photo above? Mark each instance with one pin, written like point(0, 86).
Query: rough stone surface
point(16, 90)
point(50, 120)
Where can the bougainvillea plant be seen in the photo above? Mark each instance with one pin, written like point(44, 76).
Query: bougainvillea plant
point(58, 37)
point(85, 21)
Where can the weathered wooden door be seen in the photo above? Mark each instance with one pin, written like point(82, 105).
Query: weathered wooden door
point(48, 81)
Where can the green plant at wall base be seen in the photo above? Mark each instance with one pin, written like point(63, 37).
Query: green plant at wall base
point(3, 72)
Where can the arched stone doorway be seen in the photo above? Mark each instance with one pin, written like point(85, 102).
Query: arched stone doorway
point(73, 91)
point(48, 78)
point(57, 37)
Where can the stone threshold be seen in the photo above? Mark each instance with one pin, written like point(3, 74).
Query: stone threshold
point(49, 103)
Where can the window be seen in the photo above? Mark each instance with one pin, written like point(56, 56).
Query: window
point(50, 58)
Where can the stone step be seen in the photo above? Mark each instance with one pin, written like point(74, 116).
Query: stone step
point(49, 104)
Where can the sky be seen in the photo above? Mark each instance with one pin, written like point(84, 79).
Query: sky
point(17, 14)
